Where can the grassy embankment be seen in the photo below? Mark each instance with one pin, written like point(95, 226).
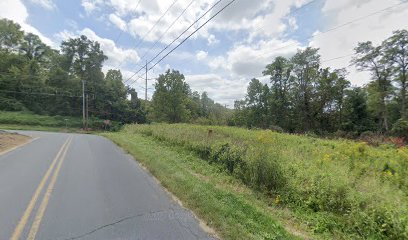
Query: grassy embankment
point(251, 180)
point(30, 121)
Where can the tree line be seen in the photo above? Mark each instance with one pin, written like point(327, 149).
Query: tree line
point(173, 102)
point(302, 96)
point(34, 77)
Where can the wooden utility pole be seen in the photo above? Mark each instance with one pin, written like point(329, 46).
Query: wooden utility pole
point(83, 105)
point(146, 83)
point(87, 110)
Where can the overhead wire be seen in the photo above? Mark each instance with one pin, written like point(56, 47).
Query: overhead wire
point(39, 93)
point(222, 9)
point(293, 12)
point(334, 28)
point(320, 33)
point(151, 29)
point(180, 35)
point(323, 61)
point(168, 28)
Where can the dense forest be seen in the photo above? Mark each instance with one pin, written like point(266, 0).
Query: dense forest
point(304, 97)
point(36, 78)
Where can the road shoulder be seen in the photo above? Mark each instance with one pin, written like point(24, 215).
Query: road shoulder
point(11, 141)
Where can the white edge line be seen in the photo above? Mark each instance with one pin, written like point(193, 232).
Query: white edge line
point(16, 147)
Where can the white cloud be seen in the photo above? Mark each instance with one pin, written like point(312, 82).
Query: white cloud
point(201, 55)
point(255, 17)
point(292, 23)
point(120, 23)
point(374, 28)
point(47, 4)
point(249, 60)
point(220, 89)
point(91, 5)
point(116, 55)
point(16, 11)
point(125, 7)
point(265, 18)
point(212, 40)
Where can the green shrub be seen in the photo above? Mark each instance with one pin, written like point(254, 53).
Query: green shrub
point(7, 104)
point(400, 128)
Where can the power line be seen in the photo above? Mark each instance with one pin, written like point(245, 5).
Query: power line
point(151, 29)
point(296, 10)
point(335, 28)
point(222, 9)
point(293, 12)
point(39, 93)
point(171, 25)
point(336, 58)
point(326, 60)
point(164, 49)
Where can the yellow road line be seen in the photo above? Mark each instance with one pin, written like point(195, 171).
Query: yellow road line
point(40, 213)
point(23, 221)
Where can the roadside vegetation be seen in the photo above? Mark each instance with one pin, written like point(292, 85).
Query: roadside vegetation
point(343, 188)
point(36, 78)
point(30, 119)
point(247, 184)
point(222, 202)
point(304, 96)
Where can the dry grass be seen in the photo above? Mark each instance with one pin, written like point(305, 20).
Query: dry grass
point(11, 140)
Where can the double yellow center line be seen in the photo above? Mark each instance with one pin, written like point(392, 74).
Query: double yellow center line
point(41, 210)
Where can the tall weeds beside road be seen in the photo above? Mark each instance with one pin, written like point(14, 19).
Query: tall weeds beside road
point(339, 186)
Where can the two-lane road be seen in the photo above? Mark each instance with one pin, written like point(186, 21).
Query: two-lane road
point(74, 186)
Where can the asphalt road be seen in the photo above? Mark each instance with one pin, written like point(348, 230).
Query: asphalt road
point(73, 186)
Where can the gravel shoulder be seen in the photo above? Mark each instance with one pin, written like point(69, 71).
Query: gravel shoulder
point(9, 141)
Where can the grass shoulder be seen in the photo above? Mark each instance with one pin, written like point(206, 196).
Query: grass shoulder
point(223, 202)
point(341, 189)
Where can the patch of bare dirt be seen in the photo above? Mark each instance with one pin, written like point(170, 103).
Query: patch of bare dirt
point(11, 140)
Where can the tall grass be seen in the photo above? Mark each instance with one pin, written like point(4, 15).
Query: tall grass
point(339, 186)
point(27, 118)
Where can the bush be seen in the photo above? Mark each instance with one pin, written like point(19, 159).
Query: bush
point(7, 104)
point(28, 118)
point(400, 128)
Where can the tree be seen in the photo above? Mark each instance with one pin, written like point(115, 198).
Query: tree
point(280, 72)
point(396, 53)
point(206, 104)
point(170, 97)
point(329, 96)
point(83, 59)
point(33, 48)
point(257, 100)
point(306, 72)
point(357, 118)
point(38, 56)
point(11, 35)
point(371, 58)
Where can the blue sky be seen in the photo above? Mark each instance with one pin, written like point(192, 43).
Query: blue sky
point(223, 56)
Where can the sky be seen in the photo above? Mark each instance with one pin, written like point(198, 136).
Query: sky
point(223, 56)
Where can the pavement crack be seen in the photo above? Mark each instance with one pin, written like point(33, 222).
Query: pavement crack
point(184, 226)
point(113, 223)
